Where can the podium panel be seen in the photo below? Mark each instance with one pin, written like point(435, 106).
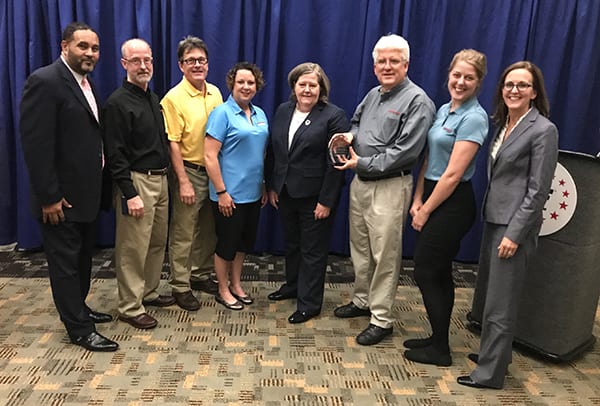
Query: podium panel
point(562, 286)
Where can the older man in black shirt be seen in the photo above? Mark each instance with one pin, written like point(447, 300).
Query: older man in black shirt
point(137, 155)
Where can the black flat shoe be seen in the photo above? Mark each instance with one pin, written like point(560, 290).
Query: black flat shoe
point(237, 305)
point(95, 342)
point(98, 317)
point(428, 355)
point(247, 300)
point(278, 295)
point(418, 342)
point(373, 335)
point(300, 317)
point(467, 381)
point(473, 357)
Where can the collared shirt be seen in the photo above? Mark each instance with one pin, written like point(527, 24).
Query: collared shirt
point(134, 134)
point(77, 76)
point(243, 144)
point(502, 133)
point(186, 110)
point(390, 129)
point(469, 122)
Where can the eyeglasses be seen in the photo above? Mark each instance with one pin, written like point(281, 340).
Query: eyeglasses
point(393, 62)
point(138, 61)
point(192, 61)
point(521, 86)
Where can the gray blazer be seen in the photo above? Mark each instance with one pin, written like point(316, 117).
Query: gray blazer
point(521, 175)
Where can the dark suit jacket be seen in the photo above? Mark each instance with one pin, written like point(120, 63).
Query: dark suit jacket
point(521, 175)
point(305, 169)
point(62, 143)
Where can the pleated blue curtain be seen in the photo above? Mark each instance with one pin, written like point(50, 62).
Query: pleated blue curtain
point(560, 36)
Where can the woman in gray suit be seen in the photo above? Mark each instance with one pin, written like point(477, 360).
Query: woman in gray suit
point(521, 165)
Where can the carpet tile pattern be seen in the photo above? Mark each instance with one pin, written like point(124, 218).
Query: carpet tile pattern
point(254, 357)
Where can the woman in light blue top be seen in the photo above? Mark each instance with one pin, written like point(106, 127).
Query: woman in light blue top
point(236, 138)
point(443, 208)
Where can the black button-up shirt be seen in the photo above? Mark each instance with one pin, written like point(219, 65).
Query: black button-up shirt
point(134, 134)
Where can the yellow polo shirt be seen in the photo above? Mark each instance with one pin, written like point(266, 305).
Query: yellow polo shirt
point(186, 112)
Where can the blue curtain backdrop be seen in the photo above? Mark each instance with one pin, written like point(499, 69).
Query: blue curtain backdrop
point(561, 36)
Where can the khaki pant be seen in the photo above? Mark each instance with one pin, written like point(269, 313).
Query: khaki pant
point(192, 237)
point(378, 210)
point(140, 244)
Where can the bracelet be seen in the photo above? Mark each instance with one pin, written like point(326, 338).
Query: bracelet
point(222, 191)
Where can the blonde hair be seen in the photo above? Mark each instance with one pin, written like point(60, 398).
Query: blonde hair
point(472, 57)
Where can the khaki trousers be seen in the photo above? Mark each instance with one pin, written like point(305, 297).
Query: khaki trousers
point(140, 244)
point(378, 210)
point(192, 237)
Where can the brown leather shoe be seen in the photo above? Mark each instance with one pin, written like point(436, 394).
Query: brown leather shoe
point(143, 321)
point(187, 300)
point(160, 301)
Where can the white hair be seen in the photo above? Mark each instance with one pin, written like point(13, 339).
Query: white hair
point(392, 41)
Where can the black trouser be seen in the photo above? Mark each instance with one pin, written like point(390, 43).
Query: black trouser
point(306, 248)
point(69, 247)
point(436, 246)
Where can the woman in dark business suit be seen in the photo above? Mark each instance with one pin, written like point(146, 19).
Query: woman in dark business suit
point(303, 183)
point(521, 165)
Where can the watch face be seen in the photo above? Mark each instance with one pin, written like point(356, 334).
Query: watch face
point(561, 203)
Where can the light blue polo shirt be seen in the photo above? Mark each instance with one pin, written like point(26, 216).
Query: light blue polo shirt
point(243, 144)
point(469, 122)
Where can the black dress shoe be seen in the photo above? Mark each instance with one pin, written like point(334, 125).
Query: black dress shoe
point(95, 342)
point(467, 381)
point(473, 357)
point(205, 285)
point(373, 334)
point(278, 295)
point(98, 317)
point(429, 355)
point(418, 342)
point(160, 301)
point(350, 310)
point(301, 317)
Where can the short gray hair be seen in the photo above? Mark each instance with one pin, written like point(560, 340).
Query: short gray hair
point(392, 41)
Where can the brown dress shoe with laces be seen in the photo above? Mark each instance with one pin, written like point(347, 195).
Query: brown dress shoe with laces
point(142, 321)
point(186, 300)
point(160, 301)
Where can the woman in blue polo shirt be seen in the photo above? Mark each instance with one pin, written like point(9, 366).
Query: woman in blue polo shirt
point(443, 207)
point(236, 138)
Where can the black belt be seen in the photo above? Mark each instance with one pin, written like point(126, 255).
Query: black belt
point(386, 176)
point(193, 166)
point(160, 172)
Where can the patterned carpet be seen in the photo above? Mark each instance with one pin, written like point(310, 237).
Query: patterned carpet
point(253, 357)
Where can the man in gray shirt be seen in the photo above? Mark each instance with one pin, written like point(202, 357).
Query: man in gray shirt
point(389, 130)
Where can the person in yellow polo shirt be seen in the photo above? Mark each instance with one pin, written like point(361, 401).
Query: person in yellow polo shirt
point(191, 231)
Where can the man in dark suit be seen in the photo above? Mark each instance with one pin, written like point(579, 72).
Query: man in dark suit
point(62, 146)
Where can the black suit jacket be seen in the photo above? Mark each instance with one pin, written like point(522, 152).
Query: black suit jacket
point(305, 169)
point(62, 143)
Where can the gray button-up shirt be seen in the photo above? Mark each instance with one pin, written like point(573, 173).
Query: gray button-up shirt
point(390, 129)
